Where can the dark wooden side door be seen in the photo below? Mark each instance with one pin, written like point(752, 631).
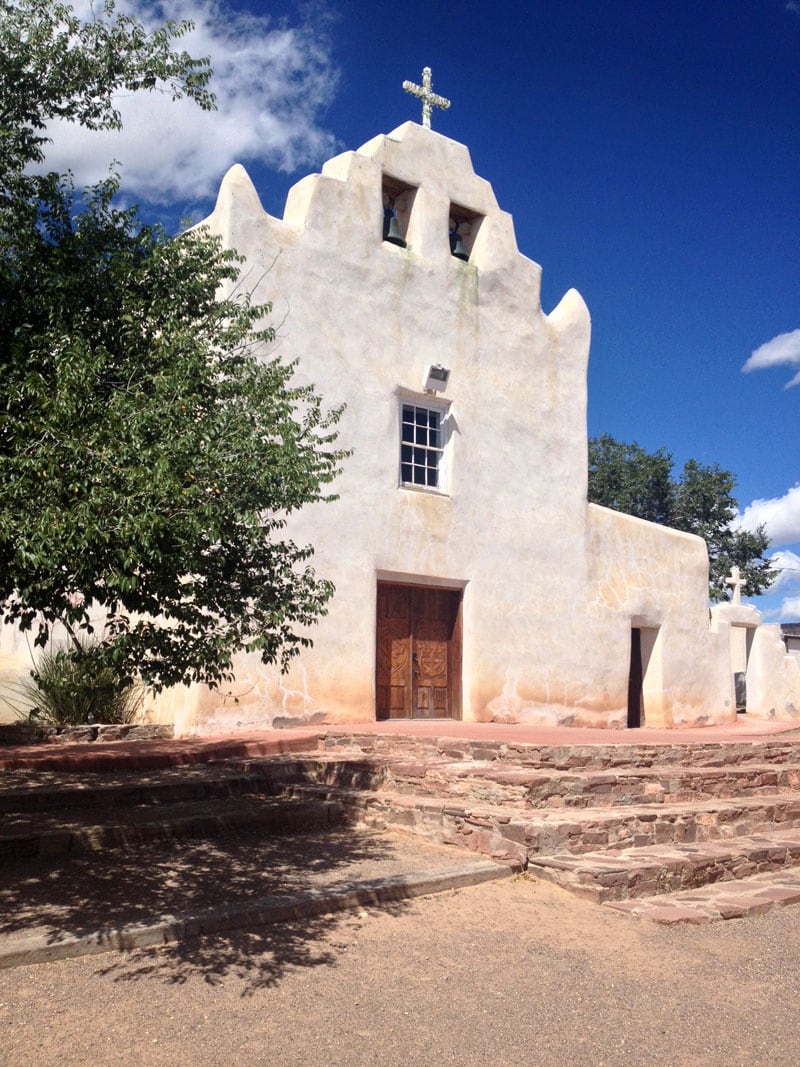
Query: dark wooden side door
point(418, 655)
point(635, 677)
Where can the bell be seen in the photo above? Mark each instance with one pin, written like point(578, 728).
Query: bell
point(391, 231)
point(457, 246)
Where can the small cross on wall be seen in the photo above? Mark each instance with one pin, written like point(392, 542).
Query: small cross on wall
point(429, 98)
point(738, 583)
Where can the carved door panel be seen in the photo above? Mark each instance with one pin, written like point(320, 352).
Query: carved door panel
point(418, 656)
point(393, 653)
point(431, 630)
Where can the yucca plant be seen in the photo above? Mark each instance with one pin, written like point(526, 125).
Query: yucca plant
point(71, 687)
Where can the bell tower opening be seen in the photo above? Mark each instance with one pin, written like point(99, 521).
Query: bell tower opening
point(398, 200)
point(463, 229)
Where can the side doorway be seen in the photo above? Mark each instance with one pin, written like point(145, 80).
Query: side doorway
point(741, 647)
point(418, 652)
point(635, 679)
point(645, 687)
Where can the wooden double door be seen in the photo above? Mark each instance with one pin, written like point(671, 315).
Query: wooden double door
point(418, 655)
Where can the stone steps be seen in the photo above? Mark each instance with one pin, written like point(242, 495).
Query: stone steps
point(763, 789)
point(129, 791)
point(54, 814)
point(90, 859)
point(24, 837)
point(524, 787)
point(115, 757)
point(626, 833)
point(612, 822)
point(29, 791)
point(55, 940)
point(600, 757)
point(755, 895)
point(626, 874)
point(518, 835)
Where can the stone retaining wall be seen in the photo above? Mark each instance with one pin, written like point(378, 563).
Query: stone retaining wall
point(24, 733)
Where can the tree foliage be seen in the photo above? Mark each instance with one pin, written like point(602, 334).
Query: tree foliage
point(700, 500)
point(149, 453)
point(55, 66)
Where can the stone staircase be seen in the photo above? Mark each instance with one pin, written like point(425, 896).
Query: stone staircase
point(132, 856)
point(102, 812)
point(669, 832)
point(660, 831)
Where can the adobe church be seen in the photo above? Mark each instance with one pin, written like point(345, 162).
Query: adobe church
point(473, 580)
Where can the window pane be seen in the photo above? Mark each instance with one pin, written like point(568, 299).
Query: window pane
point(420, 446)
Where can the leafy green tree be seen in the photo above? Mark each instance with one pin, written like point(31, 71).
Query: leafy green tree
point(53, 65)
point(627, 478)
point(149, 453)
point(700, 500)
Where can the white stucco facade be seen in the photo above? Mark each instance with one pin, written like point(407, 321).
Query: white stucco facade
point(551, 587)
point(551, 591)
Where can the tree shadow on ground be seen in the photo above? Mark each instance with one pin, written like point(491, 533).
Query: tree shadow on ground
point(89, 892)
point(257, 959)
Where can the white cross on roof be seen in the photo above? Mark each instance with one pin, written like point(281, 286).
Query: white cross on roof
point(429, 98)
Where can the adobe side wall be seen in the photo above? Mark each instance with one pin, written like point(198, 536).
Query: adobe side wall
point(772, 675)
point(650, 577)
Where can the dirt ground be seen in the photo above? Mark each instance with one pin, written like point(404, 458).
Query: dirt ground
point(89, 890)
point(513, 972)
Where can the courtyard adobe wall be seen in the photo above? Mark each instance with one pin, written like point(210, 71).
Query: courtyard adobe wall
point(648, 576)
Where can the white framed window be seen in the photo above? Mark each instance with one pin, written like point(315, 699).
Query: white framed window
point(423, 444)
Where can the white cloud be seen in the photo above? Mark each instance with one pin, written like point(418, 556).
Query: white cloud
point(780, 515)
point(272, 82)
point(788, 566)
point(790, 609)
point(785, 348)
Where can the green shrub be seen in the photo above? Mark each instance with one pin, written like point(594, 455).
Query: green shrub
point(71, 687)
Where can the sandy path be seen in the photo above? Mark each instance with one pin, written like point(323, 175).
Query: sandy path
point(513, 972)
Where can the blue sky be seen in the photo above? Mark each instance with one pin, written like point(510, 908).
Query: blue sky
point(648, 152)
